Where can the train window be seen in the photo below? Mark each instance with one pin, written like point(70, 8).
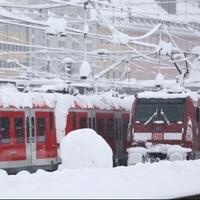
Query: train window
point(32, 128)
point(51, 120)
point(19, 135)
point(74, 120)
point(110, 128)
point(90, 124)
point(94, 125)
point(4, 130)
point(100, 126)
point(41, 129)
point(83, 122)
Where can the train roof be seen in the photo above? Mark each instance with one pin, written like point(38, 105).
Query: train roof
point(11, 97)
point(103, 101)
point(164, 94)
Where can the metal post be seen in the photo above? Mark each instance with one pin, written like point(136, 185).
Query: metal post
point(85, 22)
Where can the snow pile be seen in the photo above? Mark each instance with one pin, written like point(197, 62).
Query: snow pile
point(165, 48)
point(166, 148)
point(169, 93)
point(11, 97)
point(173, 152)
point(84, 148)
point(105, 101)
point(86, 28)
point(119, 38)
point(85, 69)
point(159, 80)
point(67, 60)
point(194, 75)
point(56, 25)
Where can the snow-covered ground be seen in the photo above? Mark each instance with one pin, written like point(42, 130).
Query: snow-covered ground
point(159, 180)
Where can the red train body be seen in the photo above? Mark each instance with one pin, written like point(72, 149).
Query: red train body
point(164, 126)
point(111, 124)
point(29, 137)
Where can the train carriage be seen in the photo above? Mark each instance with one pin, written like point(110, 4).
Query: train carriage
point(27, 135)
point(110, 122)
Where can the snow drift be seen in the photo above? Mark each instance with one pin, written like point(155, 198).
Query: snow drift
point(84, 148)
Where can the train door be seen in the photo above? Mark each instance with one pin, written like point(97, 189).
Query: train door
point(12, 136)
point(46, 143)
point(105, 126)
point(125, 122)
point(30, 136)
point(121, 126)
point(41, 138)
point(118, 136)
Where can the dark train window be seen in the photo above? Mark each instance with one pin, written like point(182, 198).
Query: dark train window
point(100, 126)
point(83, 122)
point(74, 120)
point(41, 129)
point(4, 130)
point(110, 128)
point(32, 127)
point(28, 129)
point(19, 135)
point(90, 123)
point(94, 126)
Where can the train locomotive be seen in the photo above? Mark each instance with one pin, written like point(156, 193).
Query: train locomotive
point(164, 125)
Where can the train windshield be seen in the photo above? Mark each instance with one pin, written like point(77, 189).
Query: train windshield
point(168, 110)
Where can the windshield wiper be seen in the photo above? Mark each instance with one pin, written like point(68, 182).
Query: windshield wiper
point(165, 116)
point(151, 117)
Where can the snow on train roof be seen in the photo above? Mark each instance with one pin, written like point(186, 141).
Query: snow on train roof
point(103, 101)
point(164, 94)
point(11, 97)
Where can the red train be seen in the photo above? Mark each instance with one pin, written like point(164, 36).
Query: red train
point(29, 138)
point(164, 126)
